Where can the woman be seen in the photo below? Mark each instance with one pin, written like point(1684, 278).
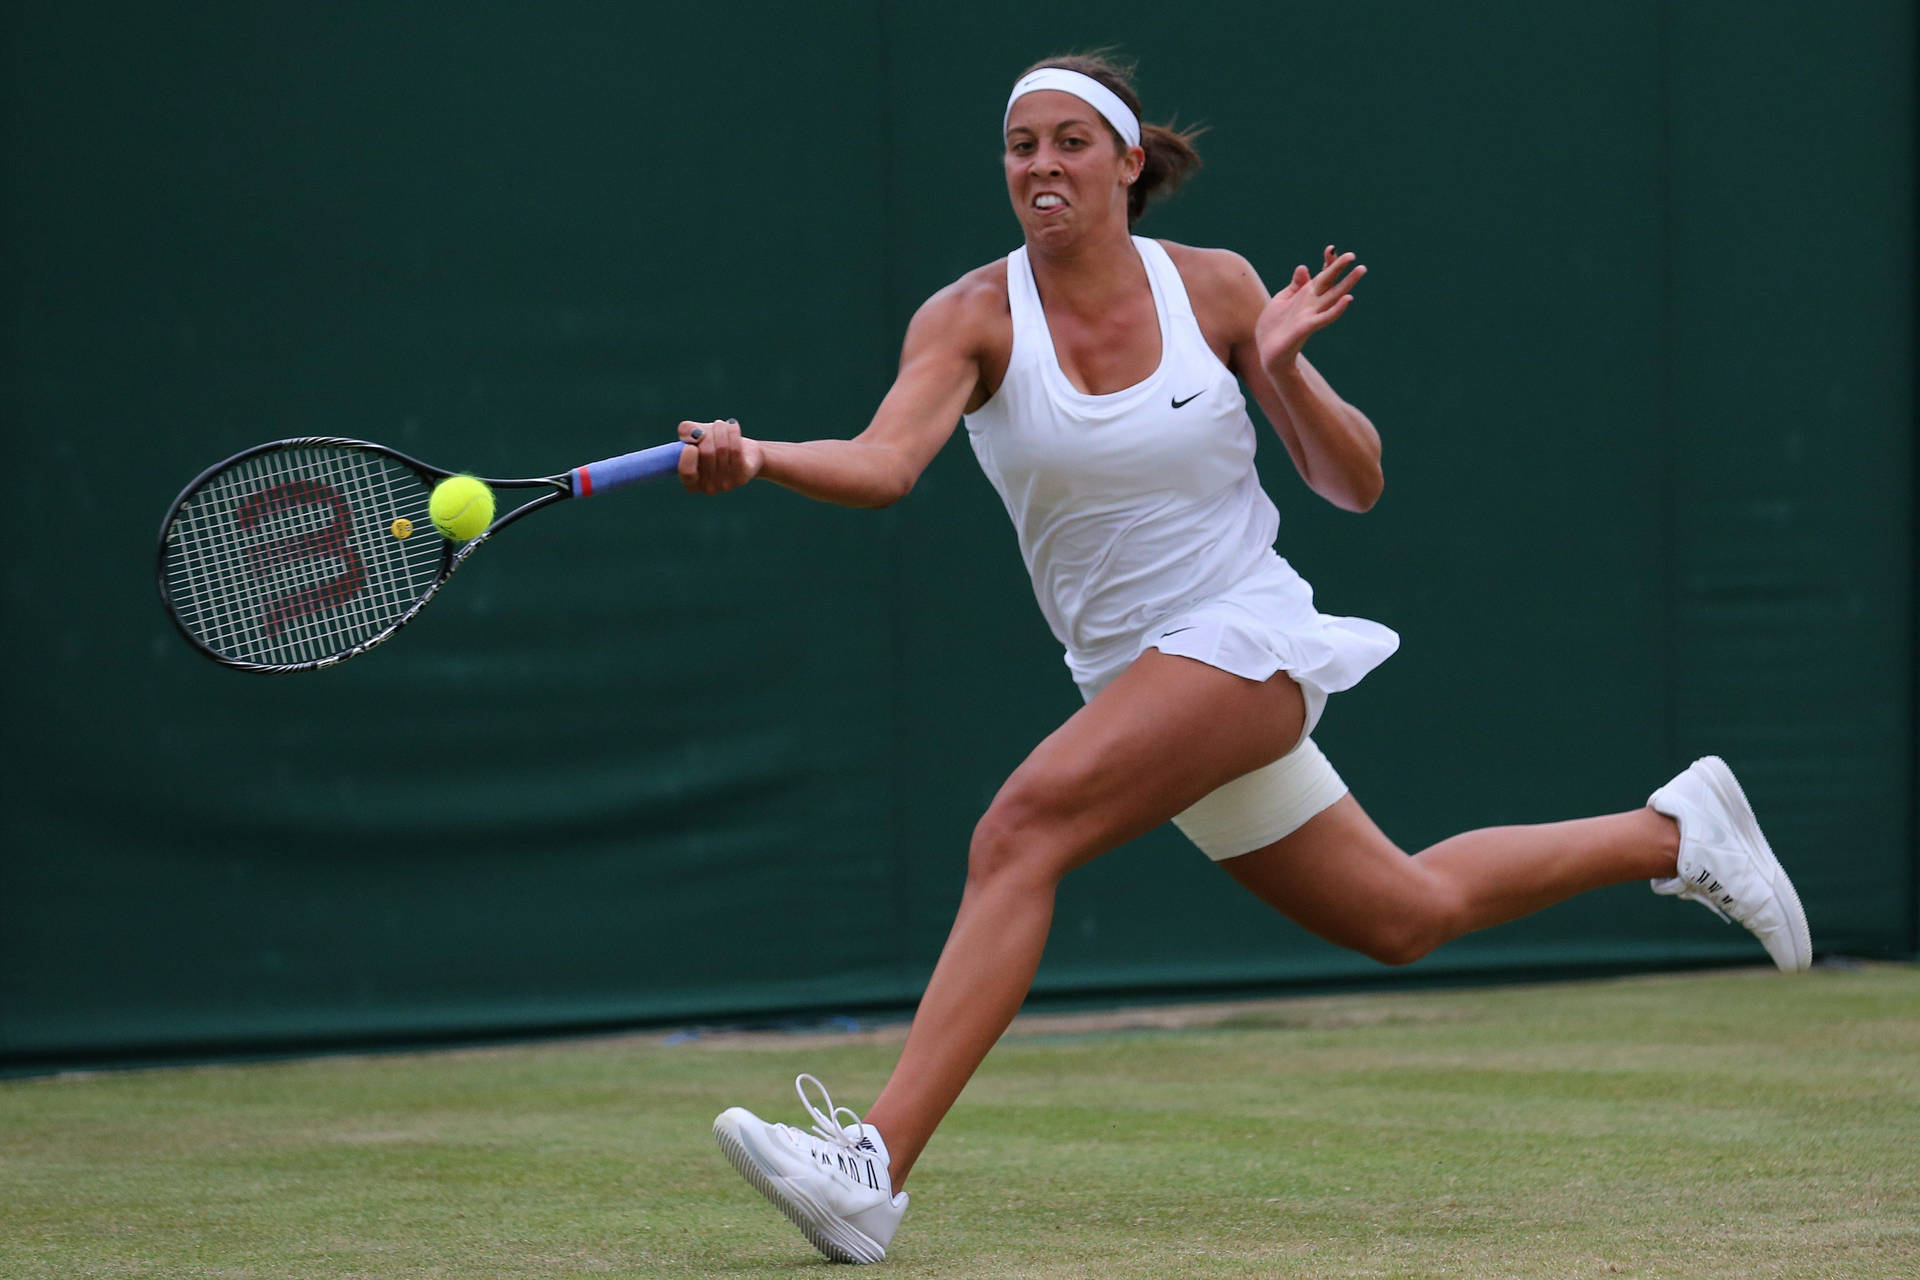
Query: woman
point(1097, 375)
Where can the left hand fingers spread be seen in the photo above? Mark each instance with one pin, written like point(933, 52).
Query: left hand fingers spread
point(1345, 284)
point(1331, 271)
point(1333, 310)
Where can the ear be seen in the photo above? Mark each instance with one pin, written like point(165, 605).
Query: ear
point(1136, 162)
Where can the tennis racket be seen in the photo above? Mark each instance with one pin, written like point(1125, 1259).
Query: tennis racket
point(300, 554)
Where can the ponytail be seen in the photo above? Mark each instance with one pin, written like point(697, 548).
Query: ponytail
point(1171, 159)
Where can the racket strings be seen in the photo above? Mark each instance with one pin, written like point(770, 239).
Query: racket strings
point(293, 556)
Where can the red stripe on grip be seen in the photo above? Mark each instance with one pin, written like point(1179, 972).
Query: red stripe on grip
point(585, 478)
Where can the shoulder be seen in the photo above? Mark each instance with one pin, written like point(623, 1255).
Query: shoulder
point(1227, 294)
point(969, 313)
point(980, 295)
point(1219, 274)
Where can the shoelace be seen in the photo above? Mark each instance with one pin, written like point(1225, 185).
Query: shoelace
point(826, 1124)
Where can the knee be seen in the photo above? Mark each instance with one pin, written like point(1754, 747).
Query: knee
point(1406, 930)
point(1017, 840)
point(1395, 943)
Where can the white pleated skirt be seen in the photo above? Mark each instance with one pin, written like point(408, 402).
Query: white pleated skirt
point(1264, 624)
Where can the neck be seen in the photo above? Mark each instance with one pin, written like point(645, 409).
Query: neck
point(1087, 274)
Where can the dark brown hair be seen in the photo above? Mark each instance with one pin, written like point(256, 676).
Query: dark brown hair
point(1170, 154)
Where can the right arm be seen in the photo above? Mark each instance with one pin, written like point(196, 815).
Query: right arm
point(940, 369)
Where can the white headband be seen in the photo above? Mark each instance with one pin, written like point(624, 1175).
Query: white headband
point(1085, 88)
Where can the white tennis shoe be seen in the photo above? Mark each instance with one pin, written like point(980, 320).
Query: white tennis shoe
point(833, 1181)
point(1726, 865)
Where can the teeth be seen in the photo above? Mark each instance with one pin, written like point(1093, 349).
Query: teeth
point(1047, 201)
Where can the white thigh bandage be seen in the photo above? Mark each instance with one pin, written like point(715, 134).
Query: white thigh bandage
point(1258, 808)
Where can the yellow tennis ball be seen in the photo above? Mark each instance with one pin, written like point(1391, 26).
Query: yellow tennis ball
point(461, 507)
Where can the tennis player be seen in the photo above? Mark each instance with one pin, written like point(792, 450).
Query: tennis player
point(1098, 374)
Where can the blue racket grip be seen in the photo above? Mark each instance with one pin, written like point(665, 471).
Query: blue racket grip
point(628, 468)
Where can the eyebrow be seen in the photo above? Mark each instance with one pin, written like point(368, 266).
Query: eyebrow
point(1070, 120)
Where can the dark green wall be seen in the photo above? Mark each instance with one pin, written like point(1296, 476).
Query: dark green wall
point(1638, 335)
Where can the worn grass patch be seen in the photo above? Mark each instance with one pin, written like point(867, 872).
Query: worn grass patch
point(1734, 1124)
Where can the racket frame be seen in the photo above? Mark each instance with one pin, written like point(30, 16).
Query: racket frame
point(452, 556)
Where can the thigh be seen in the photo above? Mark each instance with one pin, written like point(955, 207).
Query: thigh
point(1166, 732)
point(1338, 876)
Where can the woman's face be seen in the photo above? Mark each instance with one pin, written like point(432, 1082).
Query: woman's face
point(1066, 171)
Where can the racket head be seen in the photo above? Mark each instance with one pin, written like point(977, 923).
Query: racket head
point(299, 554)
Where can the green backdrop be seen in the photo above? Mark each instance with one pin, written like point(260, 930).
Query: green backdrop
point(1637, 332)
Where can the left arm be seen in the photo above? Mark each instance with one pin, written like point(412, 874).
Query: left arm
point(1333, 445)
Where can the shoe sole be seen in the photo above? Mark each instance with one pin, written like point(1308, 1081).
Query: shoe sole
point(1726, 788)
point(824, 1229)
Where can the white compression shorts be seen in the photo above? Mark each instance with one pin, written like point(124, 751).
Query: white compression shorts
point(1258, 808)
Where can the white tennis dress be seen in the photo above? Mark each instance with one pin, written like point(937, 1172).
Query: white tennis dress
point(1140, 515)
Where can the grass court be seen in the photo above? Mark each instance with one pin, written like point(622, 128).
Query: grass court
point(1731, 1124)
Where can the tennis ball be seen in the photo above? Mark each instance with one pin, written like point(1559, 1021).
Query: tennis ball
point(462, 507)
